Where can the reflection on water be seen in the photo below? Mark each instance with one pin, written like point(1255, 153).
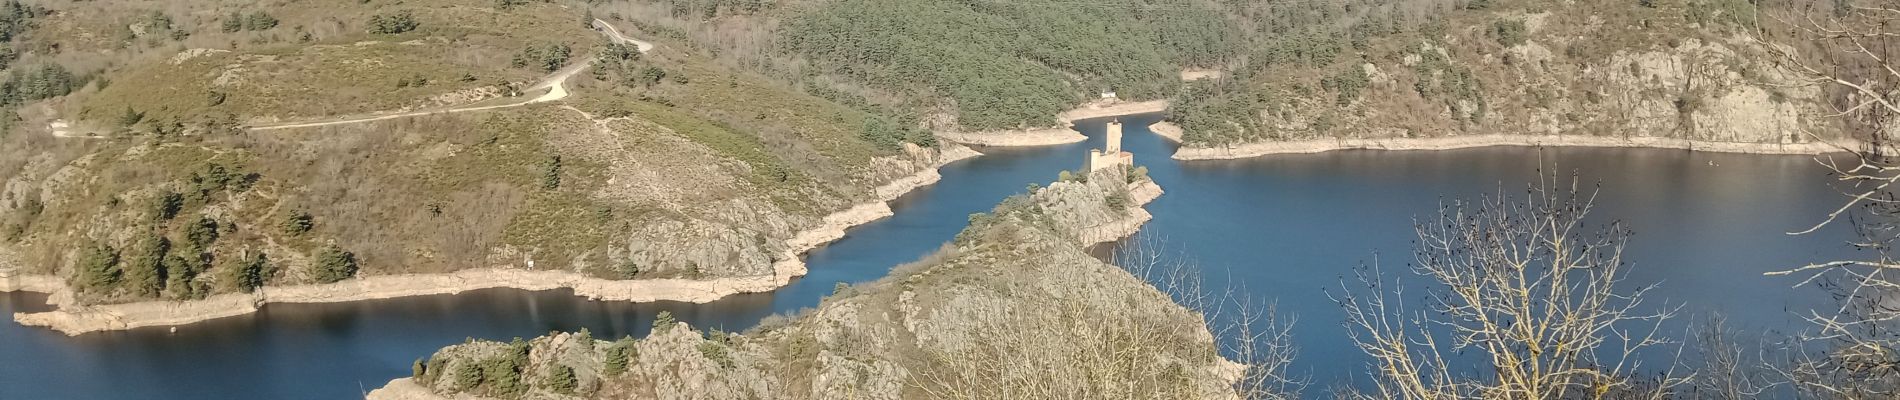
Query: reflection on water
point(1282, 228)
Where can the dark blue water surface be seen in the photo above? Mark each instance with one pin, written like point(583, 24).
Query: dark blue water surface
point(1282, 228)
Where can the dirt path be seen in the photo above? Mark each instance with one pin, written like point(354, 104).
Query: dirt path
point(556, 85)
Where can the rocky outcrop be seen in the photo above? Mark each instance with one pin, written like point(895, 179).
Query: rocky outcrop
point(1015, 308)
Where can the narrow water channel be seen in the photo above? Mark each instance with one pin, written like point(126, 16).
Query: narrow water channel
point(1281, 228)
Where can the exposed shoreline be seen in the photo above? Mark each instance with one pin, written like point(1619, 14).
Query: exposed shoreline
point(1016, 138)
point(1168, 130)
point(73, 319)
point(1140, 194)
point(1257, 149)
point(1056, 136)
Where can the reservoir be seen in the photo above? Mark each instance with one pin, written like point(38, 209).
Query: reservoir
point(1278, 229)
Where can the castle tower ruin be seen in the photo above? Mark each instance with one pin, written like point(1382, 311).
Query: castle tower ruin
point(1111, 153)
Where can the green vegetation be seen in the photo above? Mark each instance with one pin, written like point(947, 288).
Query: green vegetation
point(333, 264)
point(17, 18)
point(1510, 32)
point(543, 57)
point(619, 354)
point(561, 380)
point(663, 322)
point(98, 268)
point(390, 24)
point(717, 352)
point(551, 173)
point(37, 83)
point(1010, 64)
point(256, 21)
point(146, 275)
point(889, 135)
point(297, 222)
point(248, 274)
point(166, 205)
point(498, 375)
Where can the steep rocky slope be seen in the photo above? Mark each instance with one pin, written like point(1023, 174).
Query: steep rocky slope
point(1014, 308)
point(1600, 72)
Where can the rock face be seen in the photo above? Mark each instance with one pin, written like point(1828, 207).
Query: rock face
point(1013, 309)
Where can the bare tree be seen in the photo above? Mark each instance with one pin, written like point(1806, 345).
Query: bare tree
point(1730, 369)
point(1522, 301)
point(1852, 351)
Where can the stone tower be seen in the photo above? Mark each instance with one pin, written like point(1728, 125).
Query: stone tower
point(1111, 153)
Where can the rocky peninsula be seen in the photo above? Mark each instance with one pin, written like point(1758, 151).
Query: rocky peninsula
point(970, 321)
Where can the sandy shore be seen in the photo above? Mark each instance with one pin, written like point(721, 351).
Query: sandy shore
point(74, 319)
point(1105, 109)
point(1168, 130)
point(1462, 142)
point(1017, 138)
point(1055, 136)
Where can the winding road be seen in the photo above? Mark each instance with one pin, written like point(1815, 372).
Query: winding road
point(556, 85)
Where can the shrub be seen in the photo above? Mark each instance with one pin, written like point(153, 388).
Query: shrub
point(1067, 176)
point(202, 232)
point(166, 205)
point(546, 58)
point(130, 117)
point(390, 24)
point(651, 75)
point(333, 265)
point(1137, 174)
point(246, 275)
point(259, 21)
point(146, 274)
point(663, 321)
point(618, 355)
point(716, 352)
point(468, 376)
point(297, 222)
point(561, 380)
point(627, 269)
point(1510, 32)
point(1118, 200)
point(233, 23)
point(551, 173)
point(99, 267)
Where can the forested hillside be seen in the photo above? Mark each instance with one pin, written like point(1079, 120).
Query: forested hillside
point(1688, 69)
point(958, 65)
point(1005, 64)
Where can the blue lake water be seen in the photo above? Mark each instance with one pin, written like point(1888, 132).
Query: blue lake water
point(1283, 228)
